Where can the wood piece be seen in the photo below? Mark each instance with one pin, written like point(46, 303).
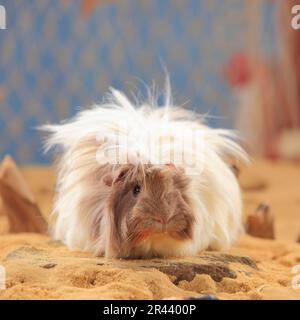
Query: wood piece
point(18, 202)
point(236, 170)
point(260, 224)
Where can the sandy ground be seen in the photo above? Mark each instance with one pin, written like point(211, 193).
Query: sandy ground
point(38, 267)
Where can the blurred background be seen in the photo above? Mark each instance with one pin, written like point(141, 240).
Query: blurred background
point(237, 60)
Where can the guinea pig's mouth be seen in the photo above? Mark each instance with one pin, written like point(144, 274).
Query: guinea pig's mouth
point(142, 236)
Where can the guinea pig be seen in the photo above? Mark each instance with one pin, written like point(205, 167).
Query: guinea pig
point(142, 181)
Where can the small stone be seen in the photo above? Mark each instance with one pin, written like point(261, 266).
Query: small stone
point(49, 265)
point(203, 297)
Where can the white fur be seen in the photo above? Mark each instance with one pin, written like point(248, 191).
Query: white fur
point(213, 192)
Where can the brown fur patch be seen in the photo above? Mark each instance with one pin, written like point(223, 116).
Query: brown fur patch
point(161, 199)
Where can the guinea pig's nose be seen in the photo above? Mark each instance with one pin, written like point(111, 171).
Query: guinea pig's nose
point(161, 220)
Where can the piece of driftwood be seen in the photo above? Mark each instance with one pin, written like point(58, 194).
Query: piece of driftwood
point(18, 202)
point(260, 224)
point(236, 170)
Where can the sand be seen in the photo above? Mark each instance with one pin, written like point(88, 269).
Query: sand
point(39, 268)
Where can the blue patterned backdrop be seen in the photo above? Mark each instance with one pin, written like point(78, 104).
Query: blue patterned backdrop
point(54, 60)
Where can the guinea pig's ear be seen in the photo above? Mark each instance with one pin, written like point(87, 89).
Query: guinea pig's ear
point(121, 176)
point(109, 178)
point(172, 166)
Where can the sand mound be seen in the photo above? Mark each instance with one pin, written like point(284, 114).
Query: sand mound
point(39, 268)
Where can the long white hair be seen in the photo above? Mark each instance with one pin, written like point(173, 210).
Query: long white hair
point(97, 138)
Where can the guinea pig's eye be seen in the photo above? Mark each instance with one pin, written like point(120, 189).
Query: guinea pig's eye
point(136, 189)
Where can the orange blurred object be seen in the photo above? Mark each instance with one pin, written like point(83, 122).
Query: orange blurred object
point(88, 6)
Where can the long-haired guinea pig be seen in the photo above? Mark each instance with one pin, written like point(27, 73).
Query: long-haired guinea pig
point(138, 180)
